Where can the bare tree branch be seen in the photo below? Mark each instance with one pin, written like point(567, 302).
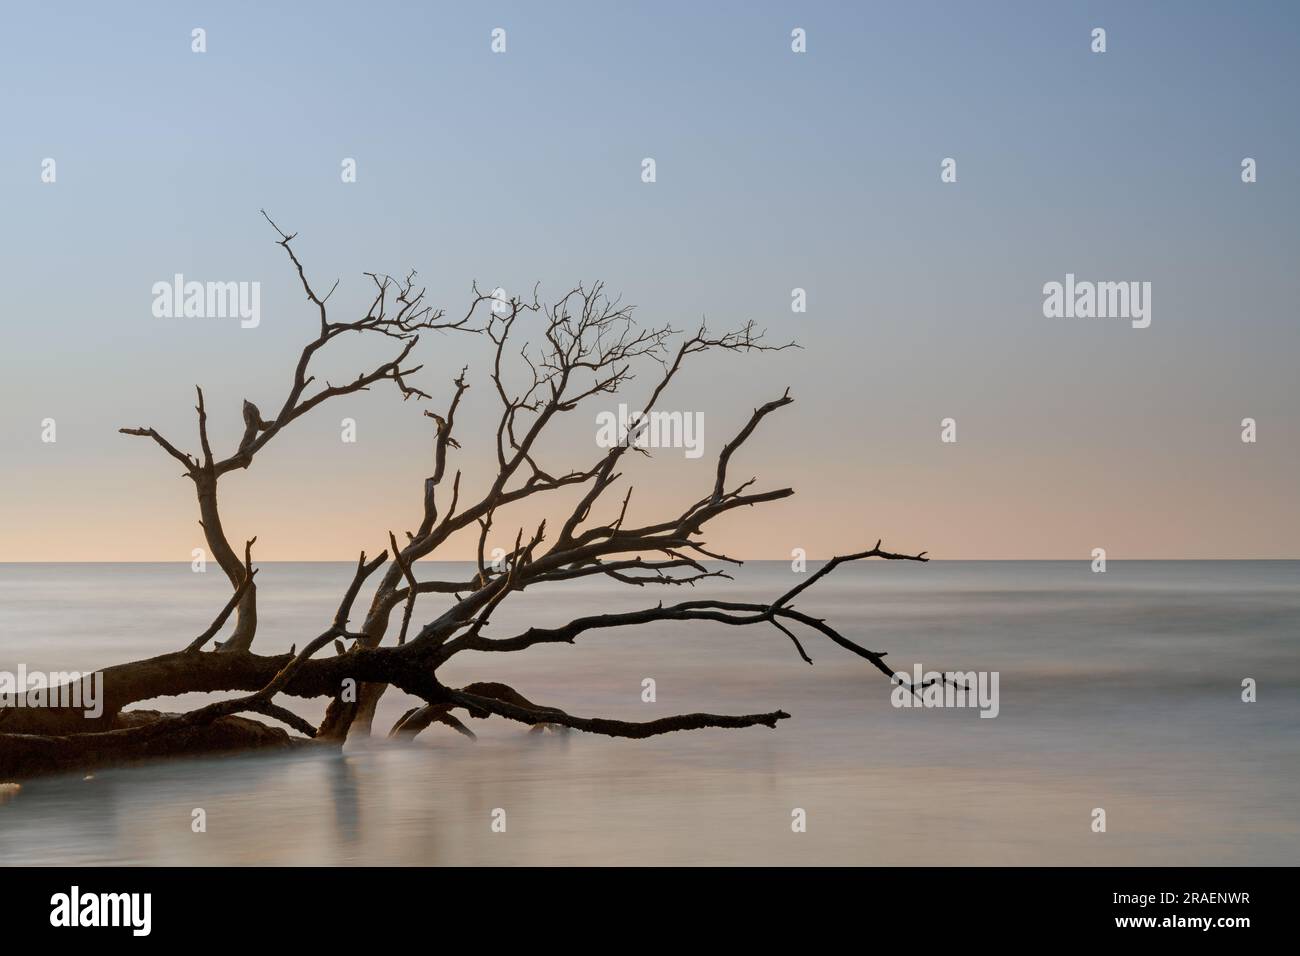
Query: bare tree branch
point(544, 362)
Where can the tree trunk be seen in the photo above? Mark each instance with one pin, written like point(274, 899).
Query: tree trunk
point(23, 755)
point(241, 639)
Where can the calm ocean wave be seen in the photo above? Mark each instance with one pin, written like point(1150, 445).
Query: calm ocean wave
point(1118, 690)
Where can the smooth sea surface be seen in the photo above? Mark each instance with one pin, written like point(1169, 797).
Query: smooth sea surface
point(1119, 691)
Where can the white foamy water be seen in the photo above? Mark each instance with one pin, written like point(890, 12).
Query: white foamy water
point(1120, 691)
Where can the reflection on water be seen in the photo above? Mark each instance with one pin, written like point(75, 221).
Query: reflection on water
point(1119, 691)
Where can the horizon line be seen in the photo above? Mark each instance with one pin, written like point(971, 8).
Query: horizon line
point(352, 561)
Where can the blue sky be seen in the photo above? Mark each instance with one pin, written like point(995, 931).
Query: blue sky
point(775, 170)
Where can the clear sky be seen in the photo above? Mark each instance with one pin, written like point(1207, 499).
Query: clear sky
point(775, 170)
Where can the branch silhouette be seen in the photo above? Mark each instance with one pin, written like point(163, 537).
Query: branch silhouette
point(589, 347)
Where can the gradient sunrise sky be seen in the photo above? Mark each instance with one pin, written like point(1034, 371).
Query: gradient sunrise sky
point(775, 170)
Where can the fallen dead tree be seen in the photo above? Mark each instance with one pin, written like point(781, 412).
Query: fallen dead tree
point(587, 348)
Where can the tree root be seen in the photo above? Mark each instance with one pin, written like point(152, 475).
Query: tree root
point(29, 755)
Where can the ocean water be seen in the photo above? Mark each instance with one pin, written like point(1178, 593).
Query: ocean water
point(1119, 691)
